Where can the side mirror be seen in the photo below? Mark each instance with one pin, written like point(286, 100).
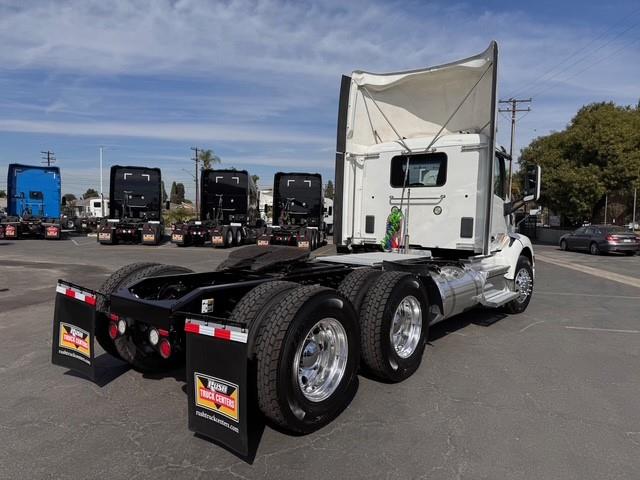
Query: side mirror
point(532, 183)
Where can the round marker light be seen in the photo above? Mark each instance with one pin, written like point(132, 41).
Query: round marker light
point(154, 337)
point(437, 210)
point(165, 348)
point(122, 326)
point(113, 330)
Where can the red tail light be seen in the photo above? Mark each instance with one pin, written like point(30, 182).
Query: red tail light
point(113, 330)
point(610, 238)
point(165, 348)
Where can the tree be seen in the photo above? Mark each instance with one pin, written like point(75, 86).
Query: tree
point(69, 197)
point(255, 179)
point(328, 191)
point(172, 193)
point(164, 192)
point(208, 158)
point(90, 193)
point(179, 195)
point(3, 194)
point(598, 153)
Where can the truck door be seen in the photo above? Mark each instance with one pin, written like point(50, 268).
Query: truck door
point(500, 187)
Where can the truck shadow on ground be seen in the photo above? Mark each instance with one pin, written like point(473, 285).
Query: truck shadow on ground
point(107, 369)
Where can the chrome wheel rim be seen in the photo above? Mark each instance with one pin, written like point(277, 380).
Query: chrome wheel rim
point(321, 360)
point(524, 284)
point(406, 327)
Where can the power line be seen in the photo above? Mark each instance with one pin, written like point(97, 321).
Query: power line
point(579, 51)
point(513, 109)
point(591, 65)
point(49, 158)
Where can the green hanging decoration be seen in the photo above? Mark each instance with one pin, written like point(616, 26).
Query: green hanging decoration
point(394, 222)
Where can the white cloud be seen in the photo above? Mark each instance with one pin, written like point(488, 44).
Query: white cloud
point(165, 131)
point(278, 60)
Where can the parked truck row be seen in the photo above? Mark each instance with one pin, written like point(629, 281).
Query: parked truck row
point(229, 209)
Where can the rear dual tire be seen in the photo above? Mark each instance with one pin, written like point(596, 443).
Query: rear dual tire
point(394, 323)
point(306, 351)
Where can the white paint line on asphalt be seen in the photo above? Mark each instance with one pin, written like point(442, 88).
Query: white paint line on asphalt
point(596, 272)
point(597, 295)
point(531, 325)
point(608, 330)
point(75, 243)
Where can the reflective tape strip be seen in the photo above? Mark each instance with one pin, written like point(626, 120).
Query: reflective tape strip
point(77, 294)
point(215, 330)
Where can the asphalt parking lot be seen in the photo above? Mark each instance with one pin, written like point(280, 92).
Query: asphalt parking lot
point(548, 394)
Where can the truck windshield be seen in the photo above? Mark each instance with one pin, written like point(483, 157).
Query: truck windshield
point(425, 170)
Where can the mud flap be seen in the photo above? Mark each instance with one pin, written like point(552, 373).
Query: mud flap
point(217, 383)
point(74, 329)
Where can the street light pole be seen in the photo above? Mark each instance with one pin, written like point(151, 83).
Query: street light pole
point(635, 194)
point(101, 194)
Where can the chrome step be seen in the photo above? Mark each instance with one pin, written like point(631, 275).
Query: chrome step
point(496, 298)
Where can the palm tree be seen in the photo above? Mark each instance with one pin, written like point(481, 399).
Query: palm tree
point(208, 158)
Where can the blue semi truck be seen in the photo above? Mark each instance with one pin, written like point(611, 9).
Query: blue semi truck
point(33, 203)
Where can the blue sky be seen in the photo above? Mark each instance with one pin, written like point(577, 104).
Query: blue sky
point(257, 81)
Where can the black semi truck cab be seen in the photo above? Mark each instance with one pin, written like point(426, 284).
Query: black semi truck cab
point(229, 213)
point(135, 207)
point(298, 211)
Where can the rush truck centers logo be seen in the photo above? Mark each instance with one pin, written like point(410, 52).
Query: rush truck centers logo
point(74, 339)
point(217, 395)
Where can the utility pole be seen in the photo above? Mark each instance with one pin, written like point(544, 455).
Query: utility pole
point(49, 158)
point(513, 109)
point(197, 160)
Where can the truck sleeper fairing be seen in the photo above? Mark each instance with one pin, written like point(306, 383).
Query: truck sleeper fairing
point(381, 123)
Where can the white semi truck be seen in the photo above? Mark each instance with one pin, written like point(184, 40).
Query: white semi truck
point(422, 217)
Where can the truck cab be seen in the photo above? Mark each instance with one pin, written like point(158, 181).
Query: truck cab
point(33, 207)
point(435, 161)
point(135, 207)
point(298, 211)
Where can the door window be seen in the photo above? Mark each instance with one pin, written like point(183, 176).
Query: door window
point(499, 177)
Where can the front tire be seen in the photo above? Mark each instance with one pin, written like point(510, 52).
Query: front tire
point(563, 245)
point(394, 321)
point(523, 284)
point(307, 358)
